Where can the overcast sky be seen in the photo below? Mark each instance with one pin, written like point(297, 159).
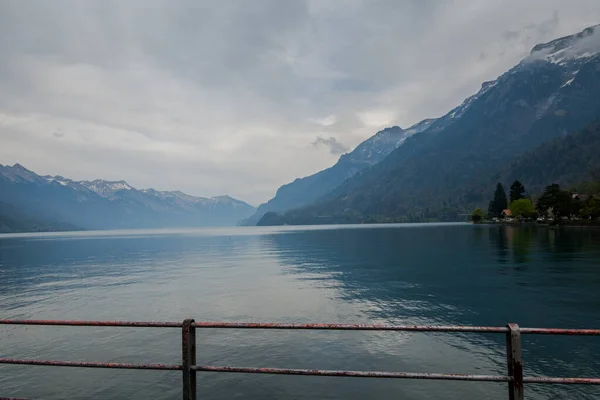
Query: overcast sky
point(240, 97)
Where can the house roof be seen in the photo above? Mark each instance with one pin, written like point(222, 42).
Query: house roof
point(507, 212)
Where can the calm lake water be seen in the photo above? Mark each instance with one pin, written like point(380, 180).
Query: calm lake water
point(401, 274)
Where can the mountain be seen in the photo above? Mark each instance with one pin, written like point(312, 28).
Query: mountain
point(106, 189)
point(103, 204)
point(304, 191)
point(566, 160)
point(12, 219)
point(445, 169)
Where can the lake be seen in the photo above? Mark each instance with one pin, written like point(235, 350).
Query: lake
point(400, 274)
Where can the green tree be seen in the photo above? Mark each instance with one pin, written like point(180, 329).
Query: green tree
point(590, 208)
point(517, 191)
point(564, 204)
point(477, 215)
point(548, 199)
point(499, 203)
point(560, 201)
point(522, 208)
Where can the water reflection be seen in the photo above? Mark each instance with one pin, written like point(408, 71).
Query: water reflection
point(544, 277)
point(473, 275)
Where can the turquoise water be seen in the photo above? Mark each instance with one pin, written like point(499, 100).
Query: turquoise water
point(401, 274)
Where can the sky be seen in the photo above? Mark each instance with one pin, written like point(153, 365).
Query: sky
point(241, 97)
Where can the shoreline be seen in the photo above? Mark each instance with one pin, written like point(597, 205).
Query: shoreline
point(571, 224)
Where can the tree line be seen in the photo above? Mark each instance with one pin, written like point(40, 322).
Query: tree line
point(554, 203)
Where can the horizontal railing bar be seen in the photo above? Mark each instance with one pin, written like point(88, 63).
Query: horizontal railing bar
point(351, 327)
point(563, 381)
point(554, 331)
point(130, 324)
point(361, 374)
point(317, 326)
point(308, 372)
point(83, 364)
point(12, 398)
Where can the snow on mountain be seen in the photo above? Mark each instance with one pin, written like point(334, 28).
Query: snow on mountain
point(230, 202)
point(186, 200)
point(110, 190)
point(371, 150)
point(419, 127)
point(568, 53)
point(550, 93)
point(460, 110)
point(60, 180)
point(378, 146)
point(101, 204)
point(569, 49)
point(106, 189)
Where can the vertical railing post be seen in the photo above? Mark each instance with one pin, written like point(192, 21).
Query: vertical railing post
point(514, 358)
point(188, 359)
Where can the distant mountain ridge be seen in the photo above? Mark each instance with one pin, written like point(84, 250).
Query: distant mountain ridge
point(12, 219)
point(443, 171)
point(110, 190)
point(101, 204)
point(304, 191)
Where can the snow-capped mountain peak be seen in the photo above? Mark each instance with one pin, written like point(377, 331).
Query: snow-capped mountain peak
point(106, 189)
point(229, 201)
point(101, 204)
point(186, 200)
point(58, 179)
point(573, 48)
point(378, 146)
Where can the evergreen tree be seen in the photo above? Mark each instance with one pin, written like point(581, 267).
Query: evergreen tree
point(517, 191)
point(560, 201)
point(548, 199)
point(499, 203)
point(564, 204)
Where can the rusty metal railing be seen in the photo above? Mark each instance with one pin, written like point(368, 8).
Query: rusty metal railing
point(514, 377)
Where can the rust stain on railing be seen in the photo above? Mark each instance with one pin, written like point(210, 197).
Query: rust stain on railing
point(357, 374)
point(85, 364)
point(351, 327)
point(514, 377)
point(552, 331)
point(53, 322)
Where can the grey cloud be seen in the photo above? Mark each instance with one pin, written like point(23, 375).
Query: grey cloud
point(548, 27)
point(214, 97)
point(509, 35)
point(58, 134)
point(589, 43)
point(532, 33)
point(332, 144)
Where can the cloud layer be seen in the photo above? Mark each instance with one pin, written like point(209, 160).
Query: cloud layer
point(227, 97)
point(332, 144)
